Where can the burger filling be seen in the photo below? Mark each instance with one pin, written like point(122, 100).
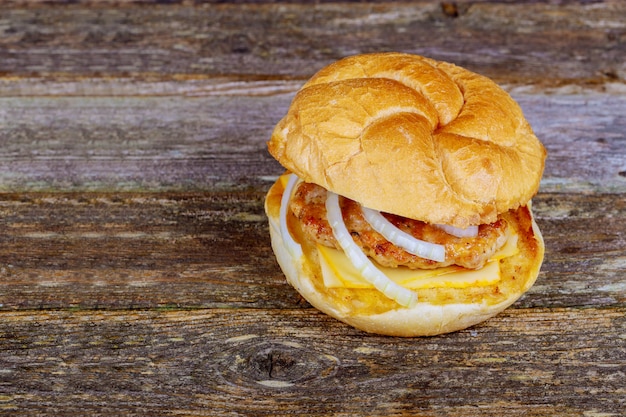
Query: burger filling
point(472, 252)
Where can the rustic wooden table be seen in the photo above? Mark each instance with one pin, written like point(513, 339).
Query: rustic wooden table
point(136, 276)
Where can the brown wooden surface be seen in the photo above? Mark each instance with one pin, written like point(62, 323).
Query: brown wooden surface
point(136, 276)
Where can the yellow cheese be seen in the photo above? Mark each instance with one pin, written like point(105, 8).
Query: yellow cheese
point(338, 271)
point(284, 179)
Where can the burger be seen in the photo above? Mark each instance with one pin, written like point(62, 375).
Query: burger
point(405, 206)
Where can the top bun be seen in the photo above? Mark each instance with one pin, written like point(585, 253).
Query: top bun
point(411, 136)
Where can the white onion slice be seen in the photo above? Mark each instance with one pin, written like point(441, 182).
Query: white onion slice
point(471, 231)
point(293, 247)
point(423, 249)
point(369, 272)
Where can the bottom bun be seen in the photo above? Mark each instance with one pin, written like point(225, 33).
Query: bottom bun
point(439, 310)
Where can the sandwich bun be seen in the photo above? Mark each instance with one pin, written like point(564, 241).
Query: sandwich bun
point(411, 136)
point(439, 310)
point(417, 138)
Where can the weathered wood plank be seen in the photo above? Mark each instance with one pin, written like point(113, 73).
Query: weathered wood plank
point(134, 251)
point(523, 42)
point(136, 144)
point(218, 142)
point(136, 274)
point(585, 143)
point(285, 362)
point(120, 250)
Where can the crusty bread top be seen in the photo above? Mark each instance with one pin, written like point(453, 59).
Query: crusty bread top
point(411, 136)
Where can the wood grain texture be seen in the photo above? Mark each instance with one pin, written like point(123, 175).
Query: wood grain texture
point(126, 251)
point(204, 143)
point(252, 362)
point(136, 143)
point(527, 42)
point(136, 274)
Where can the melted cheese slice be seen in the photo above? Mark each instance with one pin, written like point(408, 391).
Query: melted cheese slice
point(338, 271)
point(284, 179)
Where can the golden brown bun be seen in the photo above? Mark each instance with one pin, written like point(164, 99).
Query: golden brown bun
point(411, 136)
point(437, 311)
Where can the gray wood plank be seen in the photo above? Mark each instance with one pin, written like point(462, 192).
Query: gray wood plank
point(218, 142)
point(119, 250)
point(527, 42)
point(281, 362)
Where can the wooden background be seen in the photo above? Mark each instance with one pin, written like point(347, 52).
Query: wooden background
point(136, 276)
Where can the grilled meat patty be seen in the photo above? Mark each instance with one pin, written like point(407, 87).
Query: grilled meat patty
point(308, 205)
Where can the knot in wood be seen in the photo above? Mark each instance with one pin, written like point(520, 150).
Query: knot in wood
point(275, 365)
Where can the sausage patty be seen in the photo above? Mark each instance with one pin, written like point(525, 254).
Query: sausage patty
point(308, 205)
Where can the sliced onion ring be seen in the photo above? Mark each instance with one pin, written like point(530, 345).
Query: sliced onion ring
point(471, 231)
point(423, 249)
point(369, 272)
point(293, 247)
